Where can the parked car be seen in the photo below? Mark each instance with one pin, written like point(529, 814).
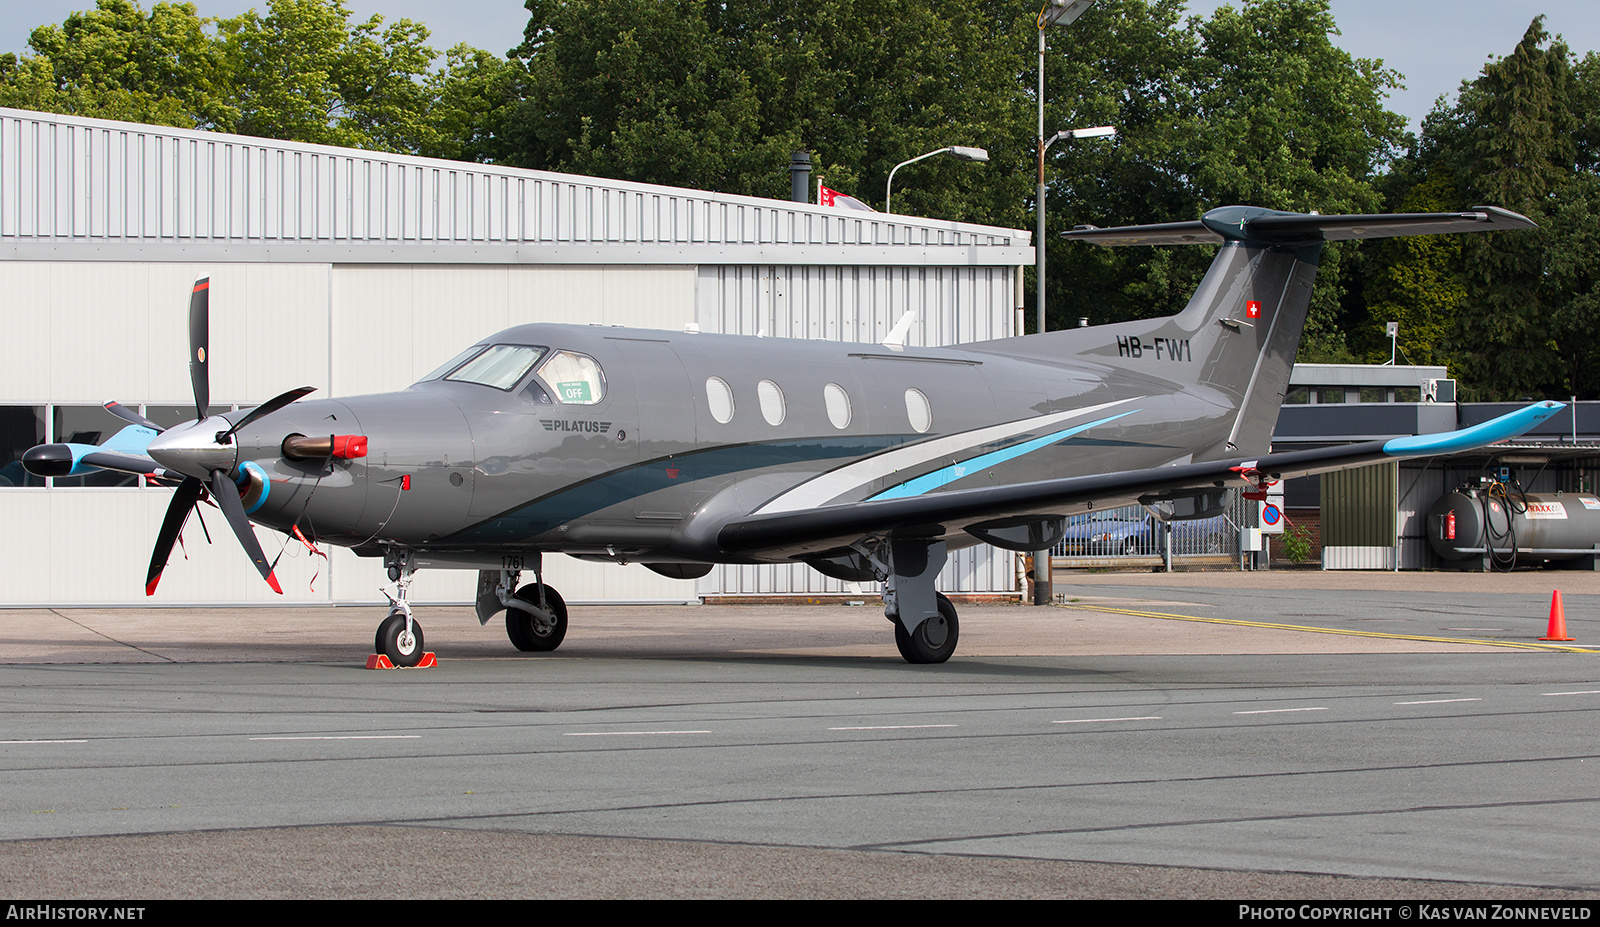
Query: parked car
point(1131, 532)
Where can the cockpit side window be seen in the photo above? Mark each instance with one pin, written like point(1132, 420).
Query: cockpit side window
point(577, 378)
point(501, 366)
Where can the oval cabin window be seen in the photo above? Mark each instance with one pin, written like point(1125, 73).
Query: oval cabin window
point(772, 406)
point(719, 395)
point(838, 404)
point(918, 410)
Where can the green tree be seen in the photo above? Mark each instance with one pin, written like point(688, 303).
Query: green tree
point(1416, 281)
point(1256, 105)
point(115, 62)
point(638, 92)
point(1572, 285)
point(301, 72)
point(1516, 151)
point(716, 96)
point(475, 94)
point(1519, 136)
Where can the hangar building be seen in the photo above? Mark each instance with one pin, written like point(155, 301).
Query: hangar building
point(356, 272)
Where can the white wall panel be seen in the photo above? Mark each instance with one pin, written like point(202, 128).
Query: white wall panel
point(28, 347)
point(27, 546)
point(100, 319)
point(88, 332)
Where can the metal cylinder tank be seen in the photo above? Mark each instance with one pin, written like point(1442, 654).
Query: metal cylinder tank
point(1466, 523)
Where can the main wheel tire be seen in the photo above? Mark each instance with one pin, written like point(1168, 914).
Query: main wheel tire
point(525, 633)
point(393, 641)
point(934, 640)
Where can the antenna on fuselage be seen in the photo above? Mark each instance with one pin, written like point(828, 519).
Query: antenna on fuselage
point(896, 339)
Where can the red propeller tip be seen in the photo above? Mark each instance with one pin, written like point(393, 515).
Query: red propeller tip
point(150, 587)
point(272, 581)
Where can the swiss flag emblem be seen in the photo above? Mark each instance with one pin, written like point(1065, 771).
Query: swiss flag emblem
point(1252, 308)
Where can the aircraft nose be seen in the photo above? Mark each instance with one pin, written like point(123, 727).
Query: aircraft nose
point(305, 466)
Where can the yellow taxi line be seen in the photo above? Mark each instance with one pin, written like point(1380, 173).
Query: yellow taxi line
point(1523, 645)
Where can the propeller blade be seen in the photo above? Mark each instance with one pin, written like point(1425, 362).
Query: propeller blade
point(200, 345)
point(128, 415)
point(183, 500)
point(125, 463)
point(226, 495)
point(266, 408)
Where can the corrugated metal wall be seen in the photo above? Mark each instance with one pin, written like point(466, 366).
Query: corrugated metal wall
point(71, 178)
point(953, 304)
point(358, 271)
point(1360, 518)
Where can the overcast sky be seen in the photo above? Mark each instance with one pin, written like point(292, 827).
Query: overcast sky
point(1434, 43)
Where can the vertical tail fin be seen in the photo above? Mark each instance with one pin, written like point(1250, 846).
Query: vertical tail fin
point(1238, 335)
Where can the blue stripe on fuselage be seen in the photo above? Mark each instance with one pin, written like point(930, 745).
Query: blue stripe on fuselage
point(571, 503)
point(939, 478)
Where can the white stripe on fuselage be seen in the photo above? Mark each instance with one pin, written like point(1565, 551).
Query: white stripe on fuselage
point(824, 488)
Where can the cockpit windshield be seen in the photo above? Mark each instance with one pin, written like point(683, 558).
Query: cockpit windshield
point(501, 366)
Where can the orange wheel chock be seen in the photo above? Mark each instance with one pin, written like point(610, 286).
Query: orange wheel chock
point(379, 661)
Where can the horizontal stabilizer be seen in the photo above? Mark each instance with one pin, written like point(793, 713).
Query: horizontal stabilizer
point(1255, 225)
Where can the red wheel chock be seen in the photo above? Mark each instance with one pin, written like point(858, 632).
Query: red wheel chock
point(379, 661)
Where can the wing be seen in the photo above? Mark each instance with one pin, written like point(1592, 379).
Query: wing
point(936, 514)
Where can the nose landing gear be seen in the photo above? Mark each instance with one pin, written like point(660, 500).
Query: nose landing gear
point(399, 635)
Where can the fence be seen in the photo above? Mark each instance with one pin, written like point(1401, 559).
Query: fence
point(1131, 531)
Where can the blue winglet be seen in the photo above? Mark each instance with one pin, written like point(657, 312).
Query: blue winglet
point(1496, 429)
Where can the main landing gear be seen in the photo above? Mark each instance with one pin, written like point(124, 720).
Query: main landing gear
point(925, 626)
point(536, 615)
point(934, 641)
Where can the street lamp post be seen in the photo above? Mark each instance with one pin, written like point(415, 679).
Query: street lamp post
point(959, 152)
point(1054, 13)
point(1038, 206)
point(1041, 560)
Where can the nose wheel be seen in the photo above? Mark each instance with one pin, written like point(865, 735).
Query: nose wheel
point(399, 640)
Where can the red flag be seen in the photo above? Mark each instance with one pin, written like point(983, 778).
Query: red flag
point(1252, 308)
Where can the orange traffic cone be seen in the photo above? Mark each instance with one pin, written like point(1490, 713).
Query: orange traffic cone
point(1558, 620)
